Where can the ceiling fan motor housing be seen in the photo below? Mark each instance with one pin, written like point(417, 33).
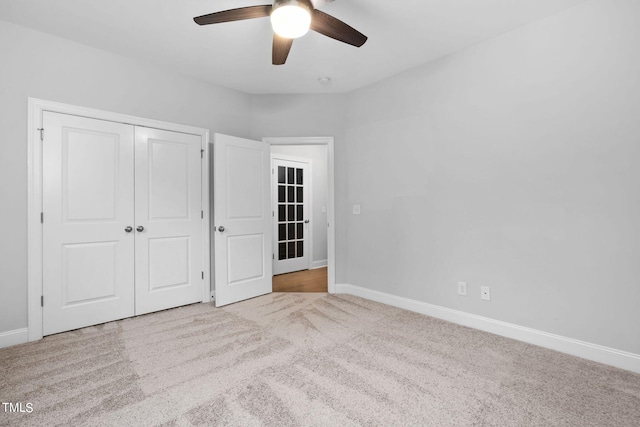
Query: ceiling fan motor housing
point(299, 3)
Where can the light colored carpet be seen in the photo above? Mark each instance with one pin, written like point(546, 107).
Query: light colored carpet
point(306, 360)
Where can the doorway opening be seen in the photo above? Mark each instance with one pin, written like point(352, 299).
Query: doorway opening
point(303, 214)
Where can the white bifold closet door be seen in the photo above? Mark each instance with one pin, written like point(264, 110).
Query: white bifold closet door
point(122, 221)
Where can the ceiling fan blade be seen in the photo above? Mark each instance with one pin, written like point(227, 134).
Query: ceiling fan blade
point(281, 48)
point(239, 14)
point(336, 29)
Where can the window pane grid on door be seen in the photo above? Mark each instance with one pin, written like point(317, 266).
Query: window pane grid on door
point(290, 213)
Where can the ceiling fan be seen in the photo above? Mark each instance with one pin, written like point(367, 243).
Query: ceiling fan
point(290, 19)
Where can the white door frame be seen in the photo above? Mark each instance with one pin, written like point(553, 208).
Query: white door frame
point(36, 107)
point(309, 202)
point(331, 231)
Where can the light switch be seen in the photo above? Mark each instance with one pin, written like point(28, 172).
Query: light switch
point(324, 209)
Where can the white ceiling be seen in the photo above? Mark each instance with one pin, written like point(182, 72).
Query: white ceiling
point(402, 35)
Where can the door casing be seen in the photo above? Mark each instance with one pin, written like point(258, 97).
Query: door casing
point(36, 107)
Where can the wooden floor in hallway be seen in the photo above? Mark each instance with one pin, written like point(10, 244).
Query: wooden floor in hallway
point(301, 281)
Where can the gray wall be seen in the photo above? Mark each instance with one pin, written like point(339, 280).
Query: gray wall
point(42, 66)
point(512, 164)
point(311, 115)
point(317, 155)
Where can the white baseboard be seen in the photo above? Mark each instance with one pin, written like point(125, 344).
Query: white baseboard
point(318, 264)
point(17, 336)
point(610, 356)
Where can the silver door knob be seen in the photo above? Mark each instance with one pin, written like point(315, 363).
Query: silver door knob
point(128, 229)
point(140, 228)
point(221, 229)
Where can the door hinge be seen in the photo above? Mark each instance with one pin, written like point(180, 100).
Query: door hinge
point(41, 134)
point(202, 154)
point(203, 275)
point(41, 300)
point(273, 256)
point(202, 214)
point(273, 171)
point(41, 217)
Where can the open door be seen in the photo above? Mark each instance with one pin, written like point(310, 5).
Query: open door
point(242, 219)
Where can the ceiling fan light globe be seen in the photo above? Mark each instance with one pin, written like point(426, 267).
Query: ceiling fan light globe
point(291, 21)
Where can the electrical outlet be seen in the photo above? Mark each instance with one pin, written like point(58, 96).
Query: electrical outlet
point(462, 288)
point(485, 293)
point(356, 209)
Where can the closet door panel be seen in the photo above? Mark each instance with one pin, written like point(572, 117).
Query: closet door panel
point(88, 202)
point(167, 219)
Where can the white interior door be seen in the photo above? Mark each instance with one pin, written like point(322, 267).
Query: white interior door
point(88, 247)
point(242, 219)
point(168, 220)
point(290, 212)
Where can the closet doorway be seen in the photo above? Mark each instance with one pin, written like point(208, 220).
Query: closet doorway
point(118, 217)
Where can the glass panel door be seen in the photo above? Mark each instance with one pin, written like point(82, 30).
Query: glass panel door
point(290, 207)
